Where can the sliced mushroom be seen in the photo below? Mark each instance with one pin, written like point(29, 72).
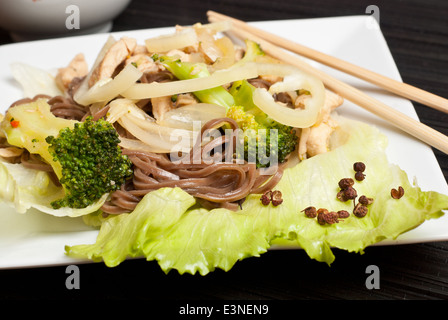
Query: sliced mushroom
point(10, 152)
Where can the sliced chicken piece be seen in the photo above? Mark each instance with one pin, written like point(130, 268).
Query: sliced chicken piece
point(160, 106)
point(77, 68)
point(144, 63)
point(332, 101)
point(182, 55)
point(117, 54)
point(315, 140)
point(319, 137)
point(140, 49)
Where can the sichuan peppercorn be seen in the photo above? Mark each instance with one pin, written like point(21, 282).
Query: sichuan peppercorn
point(360, 210)
point(331, 217)
point(397, 194)
point(321, 216)
point(346, 183)
point(365, 200)
point(310, 212)
point(343, 214)
point(359, 176)
point(359, 167)
point(347, 194)
point(266, 198)
point(276, 198)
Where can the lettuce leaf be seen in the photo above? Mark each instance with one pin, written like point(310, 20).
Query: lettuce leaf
point(169, 227)
point(24, 188)
point(34, 81)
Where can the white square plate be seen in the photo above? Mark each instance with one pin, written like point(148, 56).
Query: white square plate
point(36, 239)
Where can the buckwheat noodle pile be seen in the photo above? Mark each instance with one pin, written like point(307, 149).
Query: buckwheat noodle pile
point(216, 184)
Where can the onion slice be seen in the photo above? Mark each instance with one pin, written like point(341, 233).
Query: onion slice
point(293, 79)
point(181, 39)
point(153, 137)
point(140, 91)
point(108, 90)
point(84, 87)
point(227, 59)
point(159, 139)
point(187, 117)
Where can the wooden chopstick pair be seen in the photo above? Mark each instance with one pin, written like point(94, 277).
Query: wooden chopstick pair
point(278, 47)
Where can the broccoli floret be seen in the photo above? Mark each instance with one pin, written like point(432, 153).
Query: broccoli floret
point(91, 161)
point(85, 156)
point(265, 141)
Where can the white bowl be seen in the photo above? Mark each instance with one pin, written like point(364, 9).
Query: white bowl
point(39, 19)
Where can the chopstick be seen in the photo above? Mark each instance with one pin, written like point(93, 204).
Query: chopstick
point(407, 124)
point(391, 85)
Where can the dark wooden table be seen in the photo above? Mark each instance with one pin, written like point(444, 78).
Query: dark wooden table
point(417, 34)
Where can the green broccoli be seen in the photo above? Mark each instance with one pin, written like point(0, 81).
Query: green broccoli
point(264, 140)
point(91, 160)
point(85, 156)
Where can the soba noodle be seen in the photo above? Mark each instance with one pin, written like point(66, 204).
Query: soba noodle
point(217, 184)
point(67, 108)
